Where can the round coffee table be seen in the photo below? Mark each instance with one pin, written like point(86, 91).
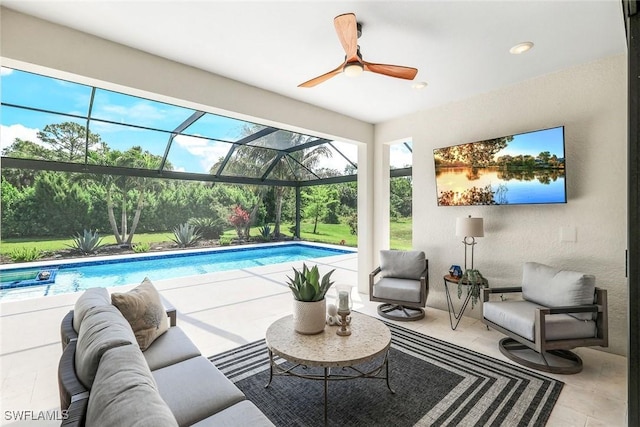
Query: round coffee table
point(369, 339)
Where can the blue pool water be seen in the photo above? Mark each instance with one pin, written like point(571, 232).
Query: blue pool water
point(80, 276)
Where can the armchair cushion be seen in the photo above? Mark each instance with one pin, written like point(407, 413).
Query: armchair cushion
point(90, 298)
point(551, 287)
point(402, 264)
point(391, 288)
point(519, 318)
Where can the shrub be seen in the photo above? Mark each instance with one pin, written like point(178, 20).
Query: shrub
point(87, 243)
point(239, 218)
point(224, 241)
point(141, 247)
point(352, 221)
point(265, 232)
point(185, 235)
point(209, 228)
point(25, 254)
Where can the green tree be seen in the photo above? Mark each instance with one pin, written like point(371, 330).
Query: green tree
point(256, 160)
point(401, 196)
point(127, 192)
point(69, 141)
point(477, 154)
point(317, 199)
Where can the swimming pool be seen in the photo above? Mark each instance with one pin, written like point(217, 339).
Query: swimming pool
point(78, 276)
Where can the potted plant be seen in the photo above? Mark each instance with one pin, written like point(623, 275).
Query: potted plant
point(474, 280)
point(309, 303)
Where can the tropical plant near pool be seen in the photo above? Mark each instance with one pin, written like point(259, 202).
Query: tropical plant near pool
point(307, 285)
point(209, 228)
point(25, 254)
point(185, 235)
point(141, 247)
point(88, 242)
point(265, 232)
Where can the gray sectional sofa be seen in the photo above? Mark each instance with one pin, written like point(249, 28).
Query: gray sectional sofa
point(105, 378)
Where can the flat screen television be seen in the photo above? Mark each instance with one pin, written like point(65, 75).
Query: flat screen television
point(526, 168)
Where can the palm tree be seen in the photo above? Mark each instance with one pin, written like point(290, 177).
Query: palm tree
point(256, 159)
point(124, 187)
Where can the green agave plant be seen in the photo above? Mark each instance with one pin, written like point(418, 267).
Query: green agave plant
point(306, 285)
point(88, 242)
point(185, 235)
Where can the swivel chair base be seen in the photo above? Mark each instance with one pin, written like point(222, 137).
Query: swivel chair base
point(553, 361)
point(400, 313)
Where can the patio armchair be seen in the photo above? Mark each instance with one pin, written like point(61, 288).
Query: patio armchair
point(403, 285)
point(559, 311)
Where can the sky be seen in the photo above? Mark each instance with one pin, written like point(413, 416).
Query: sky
point(534, 143)
point(190, 153)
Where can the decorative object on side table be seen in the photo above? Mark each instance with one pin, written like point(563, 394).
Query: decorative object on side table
point(309, 304)
point(455, 271)
point(345, 303)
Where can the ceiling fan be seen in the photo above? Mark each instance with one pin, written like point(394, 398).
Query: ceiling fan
point(348, 32)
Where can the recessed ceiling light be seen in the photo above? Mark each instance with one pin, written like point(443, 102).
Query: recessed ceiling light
point(521, 48)
point(419, 85)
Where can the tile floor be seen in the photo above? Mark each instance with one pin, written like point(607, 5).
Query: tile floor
point(221, 311)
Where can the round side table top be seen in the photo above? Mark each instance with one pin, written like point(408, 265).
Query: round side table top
point(369, 338)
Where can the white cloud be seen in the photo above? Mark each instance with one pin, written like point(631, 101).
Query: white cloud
point(400, 156)
point(8, 134)
point(208, 152)
point(139, 112)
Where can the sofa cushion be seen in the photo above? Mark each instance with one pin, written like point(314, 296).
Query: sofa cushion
point(243, 413)
point(90, 298)
point(143, 309)
point(102, 328)
point(551, 287)
point(125, 393)
point(171, 347)
point(519, 317)
point(402, 264)
point(390, 288)
point(195, 389)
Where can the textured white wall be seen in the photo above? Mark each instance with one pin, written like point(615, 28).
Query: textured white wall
point(590, 101)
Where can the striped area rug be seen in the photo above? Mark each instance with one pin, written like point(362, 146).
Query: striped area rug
point(436, 384)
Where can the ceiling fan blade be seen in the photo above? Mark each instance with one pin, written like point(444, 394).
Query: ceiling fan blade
point(317, 80)
point(347, 29)
point(398, 71)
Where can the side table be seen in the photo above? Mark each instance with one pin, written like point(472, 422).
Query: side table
point(448, 279)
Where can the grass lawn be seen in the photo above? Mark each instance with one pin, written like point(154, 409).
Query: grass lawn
point(401, 234)
point(326, 233)
point(55, 244)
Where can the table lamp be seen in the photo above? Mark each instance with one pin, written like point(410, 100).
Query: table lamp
point(469, 228)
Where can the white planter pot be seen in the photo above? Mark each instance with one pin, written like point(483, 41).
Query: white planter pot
point(309, 317)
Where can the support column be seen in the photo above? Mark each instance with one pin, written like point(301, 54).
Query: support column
point(633, 211)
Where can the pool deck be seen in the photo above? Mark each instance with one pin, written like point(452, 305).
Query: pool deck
point(223, 310)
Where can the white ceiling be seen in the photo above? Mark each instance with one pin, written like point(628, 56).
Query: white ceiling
point(460, 48)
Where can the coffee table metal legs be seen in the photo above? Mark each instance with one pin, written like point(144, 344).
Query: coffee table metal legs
point(274, 369)
point(326, 393)
point(270, 368)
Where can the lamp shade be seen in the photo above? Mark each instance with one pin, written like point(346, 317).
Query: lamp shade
point(469, 227)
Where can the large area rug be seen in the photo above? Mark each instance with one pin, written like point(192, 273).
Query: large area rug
point(436, 384)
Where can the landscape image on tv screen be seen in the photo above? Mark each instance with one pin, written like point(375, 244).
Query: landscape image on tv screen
point(526, 168)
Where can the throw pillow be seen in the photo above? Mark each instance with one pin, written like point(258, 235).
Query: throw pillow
point(144, 311)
